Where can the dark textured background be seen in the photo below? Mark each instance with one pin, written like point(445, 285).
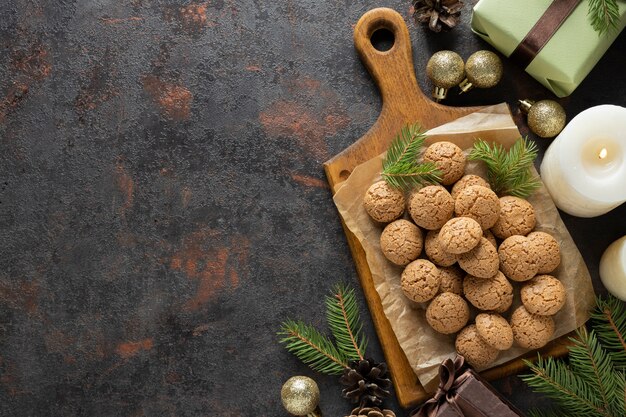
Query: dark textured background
point(163, 205)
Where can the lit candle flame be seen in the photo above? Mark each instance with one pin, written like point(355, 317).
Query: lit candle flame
point(603, 153)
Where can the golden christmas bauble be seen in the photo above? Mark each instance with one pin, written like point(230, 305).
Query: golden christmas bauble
point(483, 69)
point(546, 118)
point(300, 395)
point(445, 69)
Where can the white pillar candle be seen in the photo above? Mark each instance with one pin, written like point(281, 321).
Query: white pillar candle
point(613, 268)
point(584, 169)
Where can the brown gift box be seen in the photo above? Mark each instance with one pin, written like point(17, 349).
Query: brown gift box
point(463, 393)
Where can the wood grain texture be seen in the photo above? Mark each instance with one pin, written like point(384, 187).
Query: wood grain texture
point(403, 102)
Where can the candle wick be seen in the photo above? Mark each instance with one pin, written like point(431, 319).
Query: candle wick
point(603, 153)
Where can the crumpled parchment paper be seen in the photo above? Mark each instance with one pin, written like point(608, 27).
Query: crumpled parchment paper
point(425, 348)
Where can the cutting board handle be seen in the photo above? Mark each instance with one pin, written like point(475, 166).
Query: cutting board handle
point(392, 70)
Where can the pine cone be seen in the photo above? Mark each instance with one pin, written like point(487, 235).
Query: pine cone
point(367, 382)
point(439, 14)
point(371, 412)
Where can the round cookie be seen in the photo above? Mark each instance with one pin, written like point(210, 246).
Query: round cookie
point(490, 237)
point(420, 280)
point(546, 250)
point(495, 330)
point(543, 295)
point(448, 158)
point(531, 331)
point(482, 261)
point(401, 242)
point(476, 351)
point(467, 181)
point(478, 203)
point(447, 313)
point(517, 217)
point(460, 235)
point(488, 293)
point(451, 280)
point(384, 203)
point(434, 251)
point(431, 207)
point(517, 260)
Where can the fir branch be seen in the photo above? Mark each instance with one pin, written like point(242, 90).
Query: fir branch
point(406, 146)
point(509, 171)
point(342, 313)
point(312, 347)
point(594, 383)
point(555, 380)
point(618, 406)
point(603, 15)
point(610, 321)
point(589, 360)
point(407, 177)
point(401, 168)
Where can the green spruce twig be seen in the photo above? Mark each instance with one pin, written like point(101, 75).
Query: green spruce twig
point(557, 381)
point(594, 365)
point(610, 320)
point(342, 313)
point(509, 171)
point(603, 15)
point(317, 350)
point(401, 168)
point(312, 347)
point(593, 384)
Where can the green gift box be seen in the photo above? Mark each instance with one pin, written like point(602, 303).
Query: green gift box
point(566, 58)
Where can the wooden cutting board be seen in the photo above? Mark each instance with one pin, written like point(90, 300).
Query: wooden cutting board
point(403, 102)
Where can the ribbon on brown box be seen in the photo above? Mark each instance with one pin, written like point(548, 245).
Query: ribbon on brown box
point(544, 29)
point(451, 375)
point(463, 393)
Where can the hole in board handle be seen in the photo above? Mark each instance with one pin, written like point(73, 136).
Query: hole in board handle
point(382, 39)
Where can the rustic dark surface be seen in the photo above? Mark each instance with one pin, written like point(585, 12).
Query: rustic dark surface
point(163, 205)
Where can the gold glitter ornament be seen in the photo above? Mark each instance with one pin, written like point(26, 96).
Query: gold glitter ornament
point(300, 396)
point(445, 69)
point(483, 69)
point(546, 118)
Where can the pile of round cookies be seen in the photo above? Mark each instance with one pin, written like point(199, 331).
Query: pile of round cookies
point(463, 261)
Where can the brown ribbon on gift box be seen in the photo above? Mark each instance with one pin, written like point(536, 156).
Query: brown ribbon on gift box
point(544, 29)
point(455, 398)
point(451, 375)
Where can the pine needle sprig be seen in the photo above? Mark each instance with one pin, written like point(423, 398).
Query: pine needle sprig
point(312, 347)
point(594, 383)
point(603, 15)
point(593, 363)
point(557, 381)
point(342, 314)
point(401, 168)
point(610, 321)
point(406, 147)
point(508, 172)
